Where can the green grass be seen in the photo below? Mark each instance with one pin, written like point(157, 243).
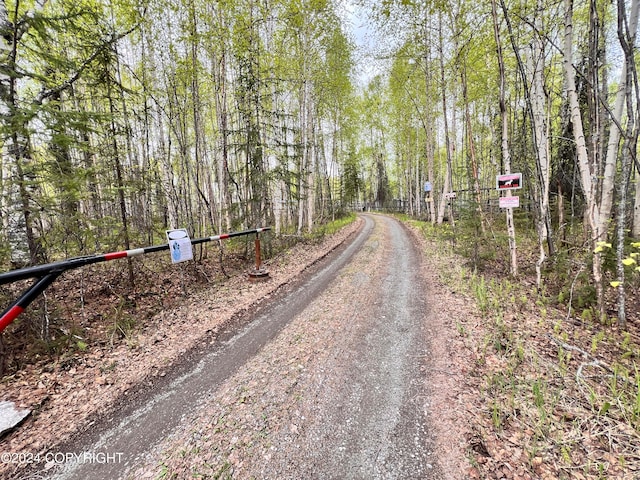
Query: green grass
point(333, 226)
point(546, 393)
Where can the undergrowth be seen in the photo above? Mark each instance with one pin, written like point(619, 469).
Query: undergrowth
point(332, 227)
point(97, 305)
point(559, 390)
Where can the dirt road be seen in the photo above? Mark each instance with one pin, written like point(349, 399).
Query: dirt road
point(328, 381)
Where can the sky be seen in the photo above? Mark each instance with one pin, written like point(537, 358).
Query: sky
point(359, 28)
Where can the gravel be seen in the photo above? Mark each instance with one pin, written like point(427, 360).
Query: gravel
point(359, 380)
point(339, 393)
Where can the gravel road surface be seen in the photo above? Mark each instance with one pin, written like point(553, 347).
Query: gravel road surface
point(329, 380)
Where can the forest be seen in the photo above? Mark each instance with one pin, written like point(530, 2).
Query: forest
point(505, 131)
point(124, 118)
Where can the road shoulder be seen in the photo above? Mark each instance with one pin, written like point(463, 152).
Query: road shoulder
point(73, 399)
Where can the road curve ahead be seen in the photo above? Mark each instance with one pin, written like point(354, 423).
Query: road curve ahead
point(327, 381)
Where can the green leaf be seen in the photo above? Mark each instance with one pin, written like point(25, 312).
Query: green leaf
point(605, 408)
point(636, 245)
point(628, 261)
point(615, 284)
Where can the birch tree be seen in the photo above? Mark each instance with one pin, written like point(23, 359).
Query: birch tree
point(449, 146)
point(39, 69)
point(627, 32)
point(598, 190)
point(504, 144)
point(635, 232)
point(531, 71)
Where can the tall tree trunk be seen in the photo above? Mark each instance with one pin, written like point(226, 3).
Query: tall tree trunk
point(472, 151)
point(119, 180)
point(224, 198)
point(635, 232)
point(506, 153)
point(429, 146)
point(611, 161)
point(428, 122)
point(596, 228)
point(540, 125)
point(312, 168)
point(536, 108)
point(21, 237)
point(448, 181)
point(64, 172)
point(304, 187)
point(627, 37)
point(446, 190)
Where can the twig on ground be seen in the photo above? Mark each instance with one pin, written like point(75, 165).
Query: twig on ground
point(593, 363)
point(571, 291)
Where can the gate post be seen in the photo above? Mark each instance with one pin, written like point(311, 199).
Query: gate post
point(258, 273)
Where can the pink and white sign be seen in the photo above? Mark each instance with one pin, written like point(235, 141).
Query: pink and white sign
point(509, 202)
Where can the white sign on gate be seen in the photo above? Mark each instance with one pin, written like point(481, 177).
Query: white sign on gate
point(179, 245)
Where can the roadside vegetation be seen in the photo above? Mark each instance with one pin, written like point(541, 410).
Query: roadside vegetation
point(96, 305)
point(557, 387)
point(120, 120)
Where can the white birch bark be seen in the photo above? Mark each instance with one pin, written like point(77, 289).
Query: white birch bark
point(14, 147)
point(506, 153)
point(303, 187)
point(311, 187)
point(635, 233)
point(608, 180)
point(447, 181)
point(15, 224)
point(540, 125)
point(629, 147)
point(224, 197)
point(278, 200)
point(443, 198)
point(591, 214)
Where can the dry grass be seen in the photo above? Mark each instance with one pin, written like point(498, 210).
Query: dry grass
point(550, 394)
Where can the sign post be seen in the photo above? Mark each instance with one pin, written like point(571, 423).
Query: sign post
point(509, 182)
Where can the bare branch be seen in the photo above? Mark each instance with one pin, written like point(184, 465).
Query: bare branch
point(51, 92)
